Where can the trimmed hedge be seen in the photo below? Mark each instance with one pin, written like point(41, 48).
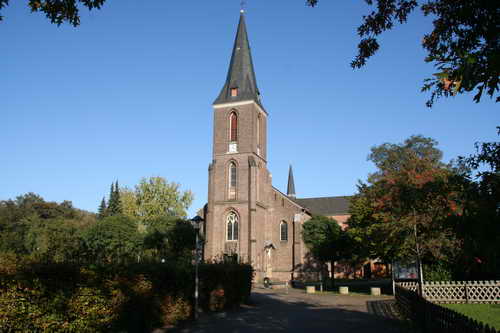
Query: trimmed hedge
point(55, 297)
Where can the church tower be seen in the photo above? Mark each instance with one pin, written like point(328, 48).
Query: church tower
point(238, 177)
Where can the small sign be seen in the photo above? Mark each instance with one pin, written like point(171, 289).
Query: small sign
point(405, 271)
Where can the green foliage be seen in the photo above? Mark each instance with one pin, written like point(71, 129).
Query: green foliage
point(170, 238)
point(479, 226)
point(437, 272)
point(112, 239)
point(128, 202)
point(29, 223)
point(155, 198)
point(114, 202)
point(101, 213)
point(327, 242)
point(133, 298)
point(55, 239)
point(322, 236)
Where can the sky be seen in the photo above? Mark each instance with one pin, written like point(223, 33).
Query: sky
point(128, 94)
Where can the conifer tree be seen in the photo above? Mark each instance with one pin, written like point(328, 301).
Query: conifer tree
point(114, 205)
point(102, 209)
point(118, 203)
point(111, 201)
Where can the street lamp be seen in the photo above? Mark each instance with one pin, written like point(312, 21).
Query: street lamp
point(196, 222)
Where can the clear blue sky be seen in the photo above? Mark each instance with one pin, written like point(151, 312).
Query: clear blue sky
point(128, 94)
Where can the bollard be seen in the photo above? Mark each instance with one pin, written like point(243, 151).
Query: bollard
point(375, 291)
point(310, 289)
point(344, 290)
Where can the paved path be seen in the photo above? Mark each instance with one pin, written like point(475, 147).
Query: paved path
point(276, 311)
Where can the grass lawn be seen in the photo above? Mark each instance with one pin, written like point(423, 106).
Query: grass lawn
point(485, 313)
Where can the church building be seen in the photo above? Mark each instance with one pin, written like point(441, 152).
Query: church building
point(245, 215)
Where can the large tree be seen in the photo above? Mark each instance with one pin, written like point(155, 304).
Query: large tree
point(480, 223)
point(114, 239)
point(407, 208)
point(155, 198)
point(325, 240)
point(463, 45)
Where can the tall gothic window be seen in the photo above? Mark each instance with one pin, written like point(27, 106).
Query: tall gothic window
point(283, 231)
point(233, 127)
point(232, 181)
point(232, 226)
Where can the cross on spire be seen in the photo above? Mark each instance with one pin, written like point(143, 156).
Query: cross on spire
point(243, 4)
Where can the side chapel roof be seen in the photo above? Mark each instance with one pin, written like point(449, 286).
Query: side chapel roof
point(327, 206)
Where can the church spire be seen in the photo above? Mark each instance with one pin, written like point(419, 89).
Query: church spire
point(290, 191)
point(240, 84)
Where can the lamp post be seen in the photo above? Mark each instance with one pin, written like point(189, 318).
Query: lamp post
point(196, 221)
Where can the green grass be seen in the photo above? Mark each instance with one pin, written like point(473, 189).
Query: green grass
point(485, 313)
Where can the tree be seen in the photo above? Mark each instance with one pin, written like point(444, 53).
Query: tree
point(114, 204)
point(479, 226)
point(30, 225)
point(56, 240)
point(157, 198)
point(463, 45)
point(128, 202)
point(58, 11)
point(114, 239)
point(171, 238)
point(101, 213)
point(408, 208)
point(325, 240)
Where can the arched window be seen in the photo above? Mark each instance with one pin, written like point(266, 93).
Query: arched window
point(232, 176)
point(233, 127)
point(232, 226)
point(284, 231)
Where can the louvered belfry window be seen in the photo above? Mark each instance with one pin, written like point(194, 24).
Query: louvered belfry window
point(233, 127)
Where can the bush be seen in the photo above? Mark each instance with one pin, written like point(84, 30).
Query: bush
point(58, 297)
point(437, 272)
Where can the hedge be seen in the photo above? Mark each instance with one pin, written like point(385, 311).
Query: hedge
point(60, 297)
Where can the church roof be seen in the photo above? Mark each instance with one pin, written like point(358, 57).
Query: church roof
point(241, 75)
point(327, 206)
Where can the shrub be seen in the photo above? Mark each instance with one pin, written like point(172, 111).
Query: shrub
point(59, 297)
point(437, 272)
point(175, 309)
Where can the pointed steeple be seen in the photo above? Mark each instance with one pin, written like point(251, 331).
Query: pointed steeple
point(290, 191)
point(240, 84)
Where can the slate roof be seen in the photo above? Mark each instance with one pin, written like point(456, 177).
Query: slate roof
point(327, 206)
point(241, 74)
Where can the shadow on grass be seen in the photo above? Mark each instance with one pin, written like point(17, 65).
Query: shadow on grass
point(277, 313)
